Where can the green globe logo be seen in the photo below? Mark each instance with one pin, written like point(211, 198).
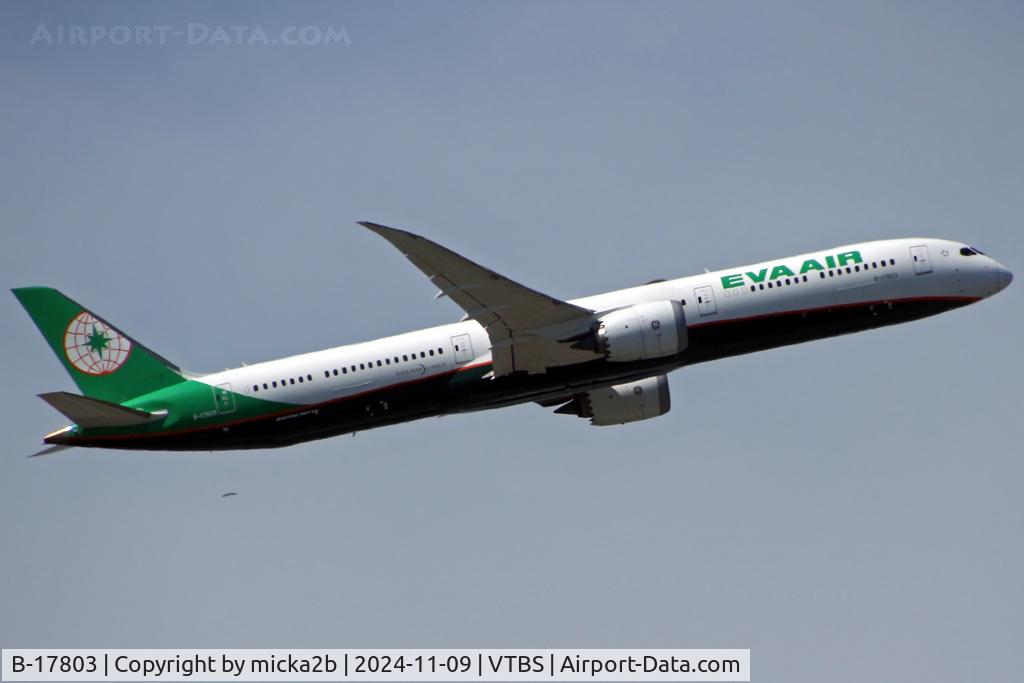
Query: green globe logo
point(94, 347)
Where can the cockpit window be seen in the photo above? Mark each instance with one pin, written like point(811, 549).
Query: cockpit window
point(978, 251)
point(967, 251)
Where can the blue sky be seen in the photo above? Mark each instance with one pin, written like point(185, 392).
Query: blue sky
point(833, 505)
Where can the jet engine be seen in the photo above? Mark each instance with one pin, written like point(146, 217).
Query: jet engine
point(652, 330)
point(622, 403)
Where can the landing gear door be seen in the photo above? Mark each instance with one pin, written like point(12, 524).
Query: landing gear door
point(922, 264)
point(705, 297)
point(224, 398)
point(463, 348)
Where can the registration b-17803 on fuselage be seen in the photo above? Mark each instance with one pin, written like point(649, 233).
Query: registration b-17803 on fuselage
point(603, 357)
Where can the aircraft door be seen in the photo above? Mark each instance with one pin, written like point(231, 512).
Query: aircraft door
point(705, 297)
point(919, 255)
point(463, 348)
point(224, 398)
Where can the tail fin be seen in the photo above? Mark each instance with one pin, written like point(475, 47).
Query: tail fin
point(104, 362)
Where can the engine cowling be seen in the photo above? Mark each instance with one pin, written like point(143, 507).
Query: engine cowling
point(622, 403)
point(652, 330)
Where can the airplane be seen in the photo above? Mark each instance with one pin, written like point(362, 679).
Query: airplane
point(604, 357)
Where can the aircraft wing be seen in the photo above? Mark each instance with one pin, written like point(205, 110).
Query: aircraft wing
point(529, 331)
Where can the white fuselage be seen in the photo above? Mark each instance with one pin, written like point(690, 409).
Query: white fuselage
point(888, 271)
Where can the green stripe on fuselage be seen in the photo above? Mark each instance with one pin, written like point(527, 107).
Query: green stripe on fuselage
point(193, 405)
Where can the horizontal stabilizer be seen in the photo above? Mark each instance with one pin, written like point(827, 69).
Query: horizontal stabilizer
point(49, 450)
point(93, 412)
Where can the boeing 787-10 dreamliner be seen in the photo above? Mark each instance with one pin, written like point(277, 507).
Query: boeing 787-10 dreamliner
point(603, 357)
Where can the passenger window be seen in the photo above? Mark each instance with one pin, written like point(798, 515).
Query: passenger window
point(857, 268)
point(274, 384)
point(821, 274)
point(892, 262)
point(440, 351)
point(255, 387)
point(753, 288)
point(405, 357)
point(761, 287)
point(300, 379)
point(431, 352)
point(264, 385)
point(378, 364)
point(387, 361)
point(292, 380)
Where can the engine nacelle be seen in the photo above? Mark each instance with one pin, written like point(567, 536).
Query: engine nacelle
point(622, 403)
point(651, 330)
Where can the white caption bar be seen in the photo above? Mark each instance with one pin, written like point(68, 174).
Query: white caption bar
point(376, 665)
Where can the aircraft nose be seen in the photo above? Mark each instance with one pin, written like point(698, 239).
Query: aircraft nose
point(1003, 277)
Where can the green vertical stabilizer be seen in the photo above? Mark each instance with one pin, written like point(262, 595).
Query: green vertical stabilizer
point(104, 362)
